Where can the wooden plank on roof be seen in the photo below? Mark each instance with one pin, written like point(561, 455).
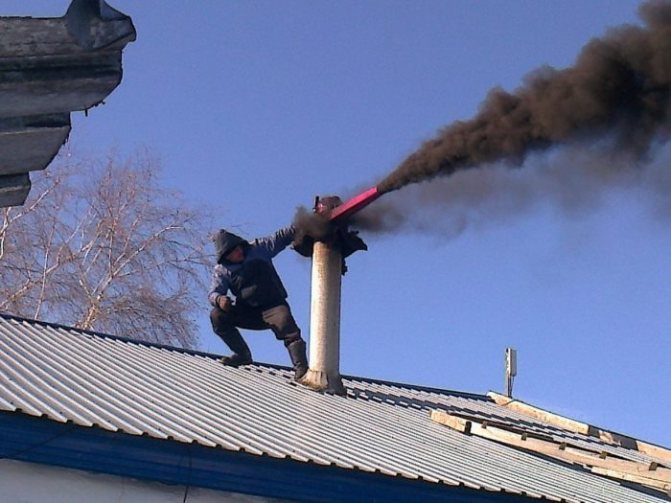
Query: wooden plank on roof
point(560, 451)
point(637, 479)
point(542, 415)
point(606, 436)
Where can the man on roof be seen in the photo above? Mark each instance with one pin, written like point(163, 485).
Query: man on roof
point(245, 270)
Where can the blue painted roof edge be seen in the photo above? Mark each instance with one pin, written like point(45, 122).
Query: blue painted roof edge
point(41, 440)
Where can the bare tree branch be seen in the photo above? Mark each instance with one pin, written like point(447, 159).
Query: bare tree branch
point(102, 246)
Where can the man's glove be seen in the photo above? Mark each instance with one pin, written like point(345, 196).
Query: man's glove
point(224, 303)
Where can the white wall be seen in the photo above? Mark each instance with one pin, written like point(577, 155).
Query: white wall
point(32, 483)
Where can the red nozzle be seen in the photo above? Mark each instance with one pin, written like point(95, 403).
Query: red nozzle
point(354, 205)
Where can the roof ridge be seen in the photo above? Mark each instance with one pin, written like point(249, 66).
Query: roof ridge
point(103, 335)
point(195, 352)
point(417, 387)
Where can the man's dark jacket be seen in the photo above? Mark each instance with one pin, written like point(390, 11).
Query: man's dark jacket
point(254, 281)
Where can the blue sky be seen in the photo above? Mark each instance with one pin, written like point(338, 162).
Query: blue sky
point(256, 107)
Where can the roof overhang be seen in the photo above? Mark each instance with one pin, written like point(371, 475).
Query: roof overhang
point(50, 67)
point(40, 440)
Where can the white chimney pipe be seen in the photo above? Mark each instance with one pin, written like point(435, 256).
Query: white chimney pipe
point(324, 372)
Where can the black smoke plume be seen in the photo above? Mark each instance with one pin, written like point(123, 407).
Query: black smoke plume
point(618, 89)
point(587, 128)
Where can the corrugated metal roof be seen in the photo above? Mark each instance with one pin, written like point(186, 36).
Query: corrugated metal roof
point(50, 67)
point(121, 385)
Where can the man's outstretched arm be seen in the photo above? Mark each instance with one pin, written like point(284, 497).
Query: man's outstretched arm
point(274, 244)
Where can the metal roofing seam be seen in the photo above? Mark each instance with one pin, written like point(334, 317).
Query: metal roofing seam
point(378, 427)
point(113, 407)
point(455, 447)
point(270, 441)
point(427, 446)
point(60, 407)
point(158, 431)
point(526, 457)
point(14, 399)
point(429, 400)
point(418, 390)
point(352, 444)
point(150, 400)
point(349, 448)
point(352, 447)
point(203, 405)
point(389, 388)
point(26, 394)
point(268, 448)
point(4, 404)
point(151, 411)
point(408, 437)
point(65, 380)
point(572, 476)
point(406, 462)
point(530, 465)
point(403, 431)
point(309, 450)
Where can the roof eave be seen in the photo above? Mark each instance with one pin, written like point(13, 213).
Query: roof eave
point(44, 441)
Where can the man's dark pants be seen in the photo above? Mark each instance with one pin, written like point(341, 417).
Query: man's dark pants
point(277, 318)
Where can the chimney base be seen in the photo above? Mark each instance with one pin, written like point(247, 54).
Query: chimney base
point(322, 381)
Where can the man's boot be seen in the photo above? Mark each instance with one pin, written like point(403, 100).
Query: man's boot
point(298, 358)
point(241, 353)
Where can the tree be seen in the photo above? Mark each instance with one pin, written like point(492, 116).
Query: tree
point(100, 245)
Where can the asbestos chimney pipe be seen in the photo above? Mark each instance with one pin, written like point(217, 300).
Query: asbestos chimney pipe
point(324, 371)
point(327, 270)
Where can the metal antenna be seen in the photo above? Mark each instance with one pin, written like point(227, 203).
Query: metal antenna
point(511, 371)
